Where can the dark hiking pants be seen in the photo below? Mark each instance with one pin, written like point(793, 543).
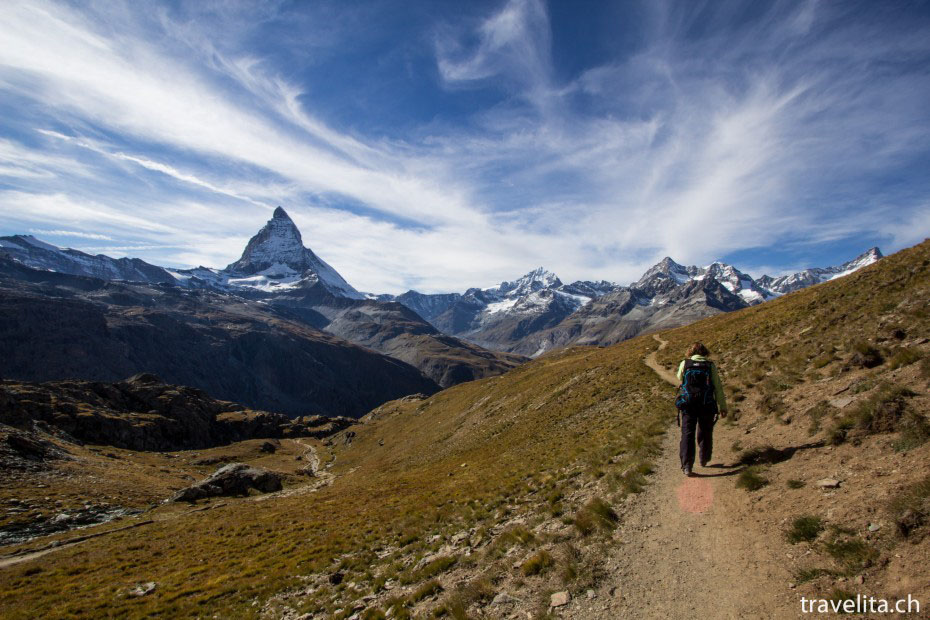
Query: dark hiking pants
point(703, 421)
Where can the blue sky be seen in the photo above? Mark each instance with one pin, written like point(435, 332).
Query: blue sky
point(441, 145)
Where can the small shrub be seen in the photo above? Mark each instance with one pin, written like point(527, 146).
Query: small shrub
point(536, 564)
point(852, 553)
point(809, 574)
point(575, 570)
point(397, 607)
point(795, 484)
point(840, 596)
point(772, 404)
point(914, 431)
point(750, 479)
point(925, 367)
point(881, 412)
point(816, 415)
point(823, 360)
point(594, 515)
point(426, 590)
point(903, 357)
point(764, 455)
point(911, 508)
point(806, 528)
point(865, 355)
point(840, 429)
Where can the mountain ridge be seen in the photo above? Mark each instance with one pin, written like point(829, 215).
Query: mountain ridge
point(527, 316)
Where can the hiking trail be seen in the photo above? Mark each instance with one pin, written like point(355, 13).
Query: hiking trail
point(683, 550)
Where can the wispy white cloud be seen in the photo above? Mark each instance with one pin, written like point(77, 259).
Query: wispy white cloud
point(778, 131)
point(70, 233)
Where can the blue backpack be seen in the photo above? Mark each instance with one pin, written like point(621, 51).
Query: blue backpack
point(697, 386)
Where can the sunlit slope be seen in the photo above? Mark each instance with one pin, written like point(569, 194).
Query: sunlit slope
point(794, 337)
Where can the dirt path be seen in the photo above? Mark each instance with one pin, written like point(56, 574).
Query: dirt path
point(320, 477)
point(653, 363)
point(684, 550)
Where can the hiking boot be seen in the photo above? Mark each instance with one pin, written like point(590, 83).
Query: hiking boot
point(686, 471)
point(704, 463)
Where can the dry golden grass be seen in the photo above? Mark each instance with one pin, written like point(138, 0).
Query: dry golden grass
point(418, 472)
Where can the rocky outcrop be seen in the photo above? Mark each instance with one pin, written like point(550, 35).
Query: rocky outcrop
point(232, 479)
point(143, 413)
point(23, 450)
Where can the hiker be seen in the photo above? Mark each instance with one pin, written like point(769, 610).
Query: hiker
point(700, 397)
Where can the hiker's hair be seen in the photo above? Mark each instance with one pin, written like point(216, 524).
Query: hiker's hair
point(698, 348)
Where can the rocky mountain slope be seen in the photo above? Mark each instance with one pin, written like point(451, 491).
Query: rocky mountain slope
point(501, 315)
point(537, 313)
point(37, 254)
point(55, 326)
point(278, 272)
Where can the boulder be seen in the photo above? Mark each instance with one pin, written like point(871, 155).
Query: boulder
point(143, 589)
point(232, 479)
point(559, 599)
point(504, 599)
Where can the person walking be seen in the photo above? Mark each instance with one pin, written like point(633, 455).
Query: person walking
point(700, 398)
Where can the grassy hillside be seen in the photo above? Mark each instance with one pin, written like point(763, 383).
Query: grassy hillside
point(514, 482)
point(476, 472)
point(831, 383)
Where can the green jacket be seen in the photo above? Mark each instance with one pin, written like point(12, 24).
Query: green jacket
point(715, 377)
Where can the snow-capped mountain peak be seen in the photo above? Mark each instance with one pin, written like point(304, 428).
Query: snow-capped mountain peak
point(276, 257)
point(863, 260)
point(278, 242)
point(535, 280)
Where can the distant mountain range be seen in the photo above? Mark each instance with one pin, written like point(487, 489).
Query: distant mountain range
point(263, 329)
point(537, 312)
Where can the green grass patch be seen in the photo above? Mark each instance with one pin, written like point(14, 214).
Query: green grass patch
point(805, 529)
point(851, 552)
point(595, 515)
point(795, 484)
point(751, 479)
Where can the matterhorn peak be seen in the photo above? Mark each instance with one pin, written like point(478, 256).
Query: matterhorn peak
point(277, 243)
point(277, 252)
